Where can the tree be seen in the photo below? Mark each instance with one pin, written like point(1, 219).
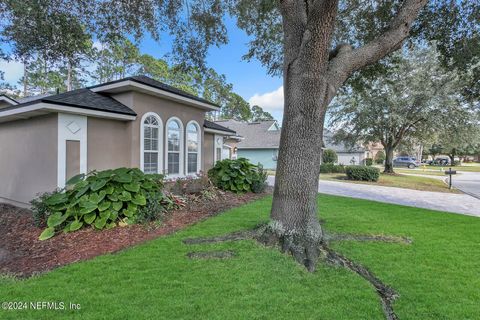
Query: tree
point(329, 156)
point(404, 104)
point(380, 157)
point(236, 108)
point(258, 114)
point(305, 41)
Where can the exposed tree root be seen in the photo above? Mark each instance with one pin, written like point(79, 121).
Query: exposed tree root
point(387, 294)
point(366, 237)
point(211, 254)
point(307, 253)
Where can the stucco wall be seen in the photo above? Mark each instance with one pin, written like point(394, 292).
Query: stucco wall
point(263, 156)
point(28, 158)
point(108, 144)
point(208, 146)
point(346, 158)
point(142, 103)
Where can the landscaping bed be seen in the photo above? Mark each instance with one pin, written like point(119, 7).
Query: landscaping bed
point(22, 254)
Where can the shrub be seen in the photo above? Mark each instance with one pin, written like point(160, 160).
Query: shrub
point(189, 185)
point(368, 162)
point(237, 175)
point(332, 168)
point(40, 210)
point(362, 173)
point(329, 156)
point(100, 199)
point(380, 157)
point(158, 204)
point(260, 183)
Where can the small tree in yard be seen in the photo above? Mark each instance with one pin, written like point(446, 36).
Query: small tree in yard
point(329, 156)
point(380, 157)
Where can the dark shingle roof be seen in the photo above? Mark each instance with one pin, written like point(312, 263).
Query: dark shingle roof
point(256, 134)
point(81, 98)
point(214, 126)
point(159, 85)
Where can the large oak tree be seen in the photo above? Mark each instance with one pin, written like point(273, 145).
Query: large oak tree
point(316, 45)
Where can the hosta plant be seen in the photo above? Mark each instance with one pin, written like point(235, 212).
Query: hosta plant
point(101, 199)
point(237, 175)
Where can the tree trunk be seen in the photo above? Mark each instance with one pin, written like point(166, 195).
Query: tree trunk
point(69, 76)
point(25, 78)
point(388, 159)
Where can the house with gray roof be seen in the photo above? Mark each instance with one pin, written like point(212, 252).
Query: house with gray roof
point(259, 142)
point(133, 122)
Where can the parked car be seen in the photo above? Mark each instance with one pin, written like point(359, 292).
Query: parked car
point(408, 162)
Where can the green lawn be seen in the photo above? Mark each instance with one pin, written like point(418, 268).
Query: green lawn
point(426, 172)
point(437, 276)
point(399, 181)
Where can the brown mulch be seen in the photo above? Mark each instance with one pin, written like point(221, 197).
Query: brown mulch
point(22, 254)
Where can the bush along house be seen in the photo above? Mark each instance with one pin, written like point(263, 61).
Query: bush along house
point(134, 122)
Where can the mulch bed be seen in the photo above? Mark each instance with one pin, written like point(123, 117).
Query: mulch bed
point(23, 255)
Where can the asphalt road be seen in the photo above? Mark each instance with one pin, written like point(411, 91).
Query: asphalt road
point(468, 182)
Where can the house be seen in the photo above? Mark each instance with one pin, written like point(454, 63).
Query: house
point(259, 142)
point(132, 122)
point(256, 141)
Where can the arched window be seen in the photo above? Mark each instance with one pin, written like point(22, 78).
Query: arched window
point(193, 148)
point(174, 147)
point(151, 140)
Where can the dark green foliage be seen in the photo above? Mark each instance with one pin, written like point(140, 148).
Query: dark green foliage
point(100, 199)
point(237, 175)
point(158, 204)
point(259, 184)
point(40, 210)
point(369, 162)
point(332, 168)
point(329, 156)
point(189, 185)
point(380, 157)
point(362, 173)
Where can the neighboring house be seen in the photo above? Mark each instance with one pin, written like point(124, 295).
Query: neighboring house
point(259, 142)
point(347, 155)
point(132, 122)
point(256, 141)
point(373, 148)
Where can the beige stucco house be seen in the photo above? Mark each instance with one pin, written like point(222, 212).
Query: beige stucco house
point(132, 122)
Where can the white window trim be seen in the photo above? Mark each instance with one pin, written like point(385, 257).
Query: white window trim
point(199, 150)
point(182, 148)
point(215, 146)
point(160, 141)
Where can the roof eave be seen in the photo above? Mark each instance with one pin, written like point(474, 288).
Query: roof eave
point(129, 84)
point(40, 108)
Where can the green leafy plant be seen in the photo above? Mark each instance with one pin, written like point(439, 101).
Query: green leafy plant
point(100, 199)
point(362, 173)
point(380, 157)
point(332, 168)
point(329, 156)
point(368, 162)
point(235, 175)
point(158, 204)
point(40, 210)
point(259, 184)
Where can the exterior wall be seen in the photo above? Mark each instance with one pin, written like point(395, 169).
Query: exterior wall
point(345, 158)
point(143, 103)
point(28, 158)
point(4, 104)
point(108, 144)
point(263, 156)
point(208, 149)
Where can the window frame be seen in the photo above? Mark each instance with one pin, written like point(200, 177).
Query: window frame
point(181, 151)
point(160, 141)
point(199, 148)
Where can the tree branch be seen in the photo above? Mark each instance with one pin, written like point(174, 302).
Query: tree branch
point(348, 61)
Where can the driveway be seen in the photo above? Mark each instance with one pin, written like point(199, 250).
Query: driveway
point(450, 202)
point(468, 182)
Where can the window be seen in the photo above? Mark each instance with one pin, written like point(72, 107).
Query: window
point(151, 140)
point(174, 146)
point(193, 148)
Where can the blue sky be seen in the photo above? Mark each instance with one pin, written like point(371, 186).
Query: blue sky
point(249, 79)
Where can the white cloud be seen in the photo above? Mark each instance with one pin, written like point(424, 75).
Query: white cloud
point(269, 101)
point(13, 71)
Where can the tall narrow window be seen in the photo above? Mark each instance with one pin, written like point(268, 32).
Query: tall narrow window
point(151, 131)
point(174, 136)
point(193, 142)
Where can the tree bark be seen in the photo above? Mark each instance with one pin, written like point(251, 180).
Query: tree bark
point(388, 159)
point(311, 77)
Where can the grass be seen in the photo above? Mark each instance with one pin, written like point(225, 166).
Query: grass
point(399, 181)
point(437, 275)
point(427, 172)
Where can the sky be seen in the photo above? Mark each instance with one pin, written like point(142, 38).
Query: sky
point(249, 78)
